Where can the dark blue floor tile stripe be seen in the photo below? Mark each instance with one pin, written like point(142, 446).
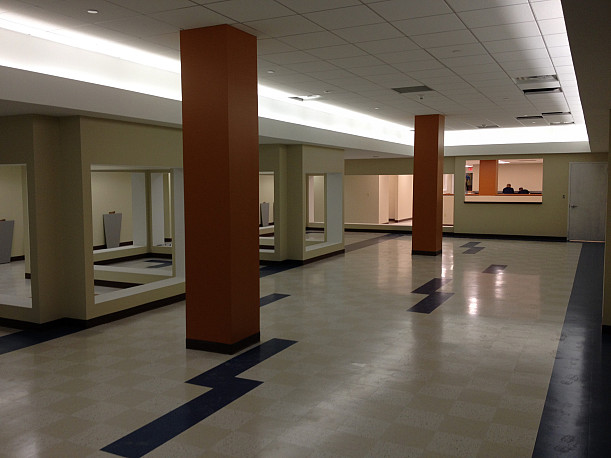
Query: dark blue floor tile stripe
point(570, 415)
point(495, 268)
point(29, 337)
point(431, 286)
point(271, 298)
point(226, 388)
point(474, 250)
point(434, 298)
point(470, 244)
point(430, 302)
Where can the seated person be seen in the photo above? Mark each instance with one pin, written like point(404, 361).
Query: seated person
point(523, 191)
point(508, 189)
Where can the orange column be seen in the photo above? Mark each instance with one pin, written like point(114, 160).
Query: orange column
point(428, 185)
point(488, 178)
point(221, 164)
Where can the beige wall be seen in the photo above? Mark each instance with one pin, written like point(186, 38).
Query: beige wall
point(527, 176)
point(12, 203)
point(266, 193)
point(361, 198)
point(383, 213)
point(546, 219)
point(405, 191)
point(111, 191)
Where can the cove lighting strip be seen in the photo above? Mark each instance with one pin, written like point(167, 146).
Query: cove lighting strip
point(273, 104)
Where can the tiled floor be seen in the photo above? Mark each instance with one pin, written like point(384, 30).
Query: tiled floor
point(364, 378)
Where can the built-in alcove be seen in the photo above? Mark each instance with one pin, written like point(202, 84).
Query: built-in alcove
point(266, 211)
point(146, 200)
point(315, 232)
point(16, 287)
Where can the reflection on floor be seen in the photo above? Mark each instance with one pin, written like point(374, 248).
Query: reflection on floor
point(359, 375)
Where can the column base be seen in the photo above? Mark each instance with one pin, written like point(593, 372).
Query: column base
point(426, 253)
point(219, 347)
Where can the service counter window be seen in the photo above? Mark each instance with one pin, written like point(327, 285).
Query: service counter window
point(504, 181)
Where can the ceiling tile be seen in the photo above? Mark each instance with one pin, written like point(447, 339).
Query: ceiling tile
point(382, 31)
point(436, 73)
point(139, 26)
point(558, 39)
point(552, 26)
point(497, 16)
point(375, 70)
point(336, 52)
point(395, 80)
point(516, 44)
point(271, 46)
point(313, 40)
point(550, 9)
point(468, 60)
point(538, 53)
point(309, 67)
point(470, 49)
point(247, 10)
point(467, 5)
point(152, 6)
point(507, 31)
point(188, 18)
point(339, 18)
point(171, 40)
point(396, 10)
point(413, 66)
point(310, 6)
point(560, 61)
point(331, 75)
point(434, 40)
point(77, 9)
point(292, 57)
point(360, 61)
point(386, 46)
point(524, 64)
point(430, 24)
point(530, 71)
point(474, 69)
point(279, 27)
point(405, 56)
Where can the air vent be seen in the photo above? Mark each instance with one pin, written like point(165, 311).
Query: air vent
point(542, 90)
point(297, 98)
point(536, 79)
point(529, 117)
point(487, 126)
point(411, 89)
point(303, 98)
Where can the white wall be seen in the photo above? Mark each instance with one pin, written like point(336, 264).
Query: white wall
point(384, 199)
point(266, 192)
point(11, 203)
point(528, 176)
point(405, 197)
point(319, 198)
point(111, 191)
point(361, 198)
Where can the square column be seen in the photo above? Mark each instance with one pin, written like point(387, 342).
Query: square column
point(488, 177)
point(221, 170)
point(427, 227)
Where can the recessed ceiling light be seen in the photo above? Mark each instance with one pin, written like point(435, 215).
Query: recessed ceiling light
point(327, 92)
point(454, 51)
point(376, 108)
point(271, 71)
point(93, 11)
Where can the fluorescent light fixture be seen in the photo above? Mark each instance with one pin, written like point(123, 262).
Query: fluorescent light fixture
point(515, 135)
point(503, 162)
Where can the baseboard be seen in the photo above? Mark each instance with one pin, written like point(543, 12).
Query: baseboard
point(426, 253)
point(225, 349)
point(18, 258)
point(534, 238)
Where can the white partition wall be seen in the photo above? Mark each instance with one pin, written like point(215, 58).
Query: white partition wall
point(139, 218)
point(178, 229)
point(157, 210)
point(335, 208)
